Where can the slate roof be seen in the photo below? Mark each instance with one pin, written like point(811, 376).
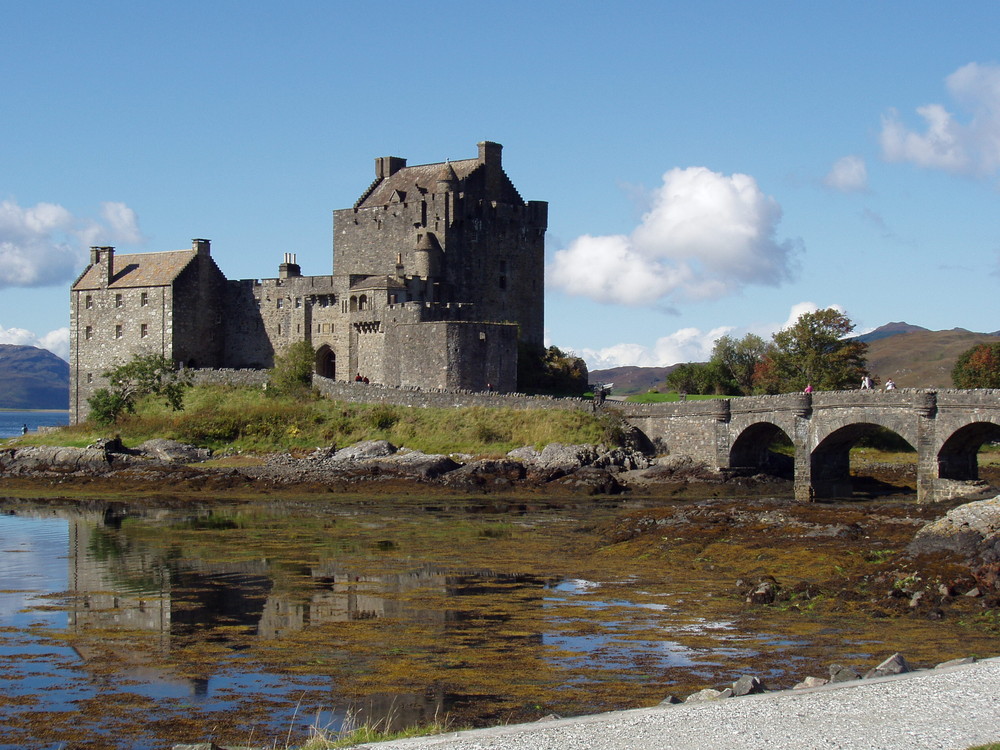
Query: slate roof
point(139, 269)
point(408, 181)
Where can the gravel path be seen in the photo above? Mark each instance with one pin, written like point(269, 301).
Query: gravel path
point(949, 709)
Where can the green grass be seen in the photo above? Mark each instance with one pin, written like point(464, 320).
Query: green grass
point(353, 735)
point(244, 419)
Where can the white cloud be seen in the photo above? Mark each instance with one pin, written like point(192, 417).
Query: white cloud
point(56, 341)
point(45, 245)
point(685, 345)
point(947, 144)
point(705, 236)
point(849, 174)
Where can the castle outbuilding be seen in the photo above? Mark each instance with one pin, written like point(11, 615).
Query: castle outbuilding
point(437, 273)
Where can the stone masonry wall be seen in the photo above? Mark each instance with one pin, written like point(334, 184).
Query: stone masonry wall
point(109, 326)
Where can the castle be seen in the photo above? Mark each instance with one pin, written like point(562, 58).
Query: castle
point(437, 273)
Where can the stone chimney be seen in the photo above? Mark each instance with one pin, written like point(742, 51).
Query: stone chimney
point(387, 166)
point(104, 256)
point(490, 154)
point(202, 247)
point(289, 268)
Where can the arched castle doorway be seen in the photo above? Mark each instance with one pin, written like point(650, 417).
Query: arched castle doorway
point(326, 362)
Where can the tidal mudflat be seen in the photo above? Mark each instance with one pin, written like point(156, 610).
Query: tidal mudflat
point(139, 624)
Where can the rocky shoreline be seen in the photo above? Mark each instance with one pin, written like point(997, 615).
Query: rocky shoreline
point(579, 469)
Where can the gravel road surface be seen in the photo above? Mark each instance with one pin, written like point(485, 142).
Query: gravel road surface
point(949, 709)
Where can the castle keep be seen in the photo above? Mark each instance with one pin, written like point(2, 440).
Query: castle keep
point(437, 272)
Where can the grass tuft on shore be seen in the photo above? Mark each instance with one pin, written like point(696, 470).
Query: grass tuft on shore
point(248, 420)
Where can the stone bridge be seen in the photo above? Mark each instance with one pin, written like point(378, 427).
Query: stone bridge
point(945, 427)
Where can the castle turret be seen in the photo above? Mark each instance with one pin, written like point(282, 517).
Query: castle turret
point(427, 256)
point(447, 180)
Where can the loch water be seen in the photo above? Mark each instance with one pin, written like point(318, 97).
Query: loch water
point(141, 625)
point(12, 421)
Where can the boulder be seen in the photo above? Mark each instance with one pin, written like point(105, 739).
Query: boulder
point(365, 450)
point(956, 662)
point(748, 685)
point(840, 673)
point(46, 459)
point(708, 694)
point(971, 531)
point(895, 664)
point(486, 473)
point(764, 592)
point(810, 682)
point(173, 452)
point(591, 481)
point(416, 464)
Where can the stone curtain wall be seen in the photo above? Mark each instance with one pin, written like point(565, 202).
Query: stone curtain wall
point(249, 378)
point(361, 393)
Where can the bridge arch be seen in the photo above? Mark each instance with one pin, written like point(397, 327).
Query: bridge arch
point(752, 449)
point(958, 457)
point(830, 459)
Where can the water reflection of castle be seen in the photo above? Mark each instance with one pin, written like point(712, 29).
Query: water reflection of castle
point(118, 584)
point(121, 585)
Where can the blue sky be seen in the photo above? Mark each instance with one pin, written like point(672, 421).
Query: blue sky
point(710, 167)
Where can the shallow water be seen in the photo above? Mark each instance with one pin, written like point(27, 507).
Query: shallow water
point(13, 421)
point(142, 626)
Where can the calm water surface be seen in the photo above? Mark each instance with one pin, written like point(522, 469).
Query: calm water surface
point(11, 422)
point(138, 627)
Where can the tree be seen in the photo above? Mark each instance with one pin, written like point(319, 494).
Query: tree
point(144, 375)
point(293, 370)
point(550, 370)
point(697, 378)
point(978, 367)
point(814, 350)
point(737, 360)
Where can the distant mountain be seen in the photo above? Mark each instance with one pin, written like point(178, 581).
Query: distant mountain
point(912, 356)
point(922, 358)
point(32, 378)
point(889, 329)
point(630, 380)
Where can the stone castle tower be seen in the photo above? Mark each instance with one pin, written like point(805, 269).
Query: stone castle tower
point(437, 273)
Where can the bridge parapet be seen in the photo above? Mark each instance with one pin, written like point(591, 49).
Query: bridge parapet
point(946, 427)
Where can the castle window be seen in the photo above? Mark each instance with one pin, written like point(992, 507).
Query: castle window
point(279, 324)
point(90, 377)
point(281, 303)
point(143, 330)
point(118, 331)
point(503, 282)
point(298, 302)
point(144, 299)
point(119, 301)
point(88, 302)
point(88, 332)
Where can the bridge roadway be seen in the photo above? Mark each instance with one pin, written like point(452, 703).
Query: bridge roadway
point(945, 427)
